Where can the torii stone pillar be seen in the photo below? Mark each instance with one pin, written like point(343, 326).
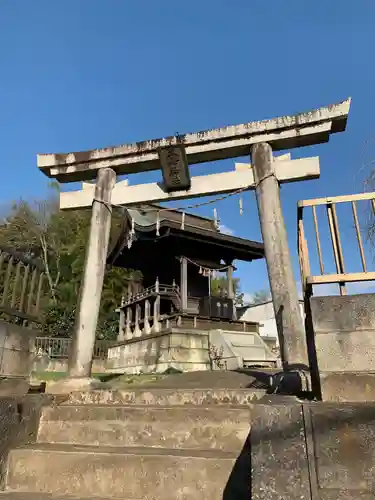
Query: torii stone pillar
point(291, 331)
point(92, 283)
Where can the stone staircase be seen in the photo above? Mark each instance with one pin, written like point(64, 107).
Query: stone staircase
point(140, 444)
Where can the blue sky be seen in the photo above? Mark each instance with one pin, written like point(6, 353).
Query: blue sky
point(82, 74)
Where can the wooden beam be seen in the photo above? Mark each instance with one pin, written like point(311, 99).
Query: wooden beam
point(207, 185)
point(286, 132)
point(340, 278)
point(337, 199)
point(246, 166)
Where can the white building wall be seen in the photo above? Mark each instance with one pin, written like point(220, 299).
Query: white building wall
point(265, 316)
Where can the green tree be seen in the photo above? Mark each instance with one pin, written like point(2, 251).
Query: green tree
point(220, 283)
point(260, 297)
point(58, 239)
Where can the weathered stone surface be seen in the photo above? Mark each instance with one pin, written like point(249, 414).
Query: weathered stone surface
point(187, 351)
point(218, 379)
point(278, 452)
point(291, 332)
point(344, 328)
point(347, 387)
point(19, 419)
point(17, 346)
point(46, 364)
point(23, 495)
point(295, 451)
point(137, 473)
point(68, 385)
point(231, 141)
point(13, 386)
point(344, 437)
point(165, 397)
point(81, 356)
point(345, 495)
point(196, 427)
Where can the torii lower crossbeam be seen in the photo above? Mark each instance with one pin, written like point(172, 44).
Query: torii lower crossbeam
point(207, 185)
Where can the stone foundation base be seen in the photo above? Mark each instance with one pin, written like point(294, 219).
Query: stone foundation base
point(184, 351)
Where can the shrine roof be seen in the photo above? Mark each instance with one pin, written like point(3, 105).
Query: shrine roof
point(195, 230)
point(146, 216)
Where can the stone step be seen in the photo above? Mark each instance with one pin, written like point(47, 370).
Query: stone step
point(26, 495)
point(166, 397)
point(129, 473)
point(188, 427)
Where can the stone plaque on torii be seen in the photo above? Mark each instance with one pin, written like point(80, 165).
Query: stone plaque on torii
point(173, 155)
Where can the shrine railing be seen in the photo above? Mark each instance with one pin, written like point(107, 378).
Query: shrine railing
point(334, 252)
point(21, 287)
point(155, 289)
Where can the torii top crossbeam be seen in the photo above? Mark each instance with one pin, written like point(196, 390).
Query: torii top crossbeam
point(287, 132)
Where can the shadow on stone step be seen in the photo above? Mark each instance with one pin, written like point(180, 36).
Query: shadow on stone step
point(238, 486)
point(275, 381)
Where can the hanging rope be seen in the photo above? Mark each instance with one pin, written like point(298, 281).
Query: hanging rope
point(203, 268)
point(186, 208)
point(190, 207)
point(131, 233)
point(158, 223)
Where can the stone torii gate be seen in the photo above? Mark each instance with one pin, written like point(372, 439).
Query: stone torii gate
point(173, 155)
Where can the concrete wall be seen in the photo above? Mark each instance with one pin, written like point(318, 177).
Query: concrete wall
point(344, 329)
point(264, 314)
point(316, 451)
point(46, 364)
point(17, 346)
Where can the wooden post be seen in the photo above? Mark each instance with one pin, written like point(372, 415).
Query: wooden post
point(146, 326)
point(231, 289)
point(291, 331)
point(121, 326)
point(93, 276)
point(128, 324)
point(183, 288)
point(156, 322)
point(230, 282)
point(137, 320)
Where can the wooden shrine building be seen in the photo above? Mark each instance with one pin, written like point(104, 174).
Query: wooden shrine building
point(177, 254)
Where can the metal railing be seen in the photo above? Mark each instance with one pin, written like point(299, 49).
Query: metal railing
point(341, 277)
point(56, 347)
point(21, 286)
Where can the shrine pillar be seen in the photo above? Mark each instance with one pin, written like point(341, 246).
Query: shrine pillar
point(231, 294)
point(290, 328)
point(183, 287)
point(92, 283)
